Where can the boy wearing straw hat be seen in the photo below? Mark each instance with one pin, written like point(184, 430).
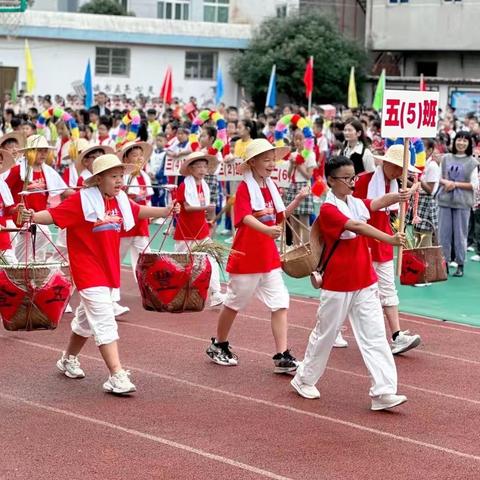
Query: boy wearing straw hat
point(195, 198)
point(94, 218)
point(374, 185)
point(254, 268)
point(33, 174)
point(13, 142)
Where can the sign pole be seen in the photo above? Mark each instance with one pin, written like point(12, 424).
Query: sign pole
point(403, 205)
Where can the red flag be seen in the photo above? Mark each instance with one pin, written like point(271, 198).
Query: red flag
point(167, 87)
point(308, 77)
point(423, 85)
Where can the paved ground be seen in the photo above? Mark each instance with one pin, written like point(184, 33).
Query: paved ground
point(191, 419)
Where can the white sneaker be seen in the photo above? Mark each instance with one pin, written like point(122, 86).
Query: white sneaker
point(70, 366)
point(475, 258)
point(470, 249)
point(384, 402)
point(306, 391)
point(422, 285)
point(225, 232)
point(405, 342)
point(119, 383)
point(217, 299)
point(340, 342)
point(453, 264)
point(119, 309)
point(68, 308)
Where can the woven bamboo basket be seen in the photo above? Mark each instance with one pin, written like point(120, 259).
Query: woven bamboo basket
point(34, 297)
point(423, 265)
point(173, 282)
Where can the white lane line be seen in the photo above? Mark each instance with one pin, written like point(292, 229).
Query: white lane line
point(280, 406)
point(265, 354)
point(147, 436)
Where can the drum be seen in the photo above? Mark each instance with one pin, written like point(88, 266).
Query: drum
point(173, 282)
point(34, 296)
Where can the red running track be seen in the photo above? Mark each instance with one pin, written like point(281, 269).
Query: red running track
point(191, 419)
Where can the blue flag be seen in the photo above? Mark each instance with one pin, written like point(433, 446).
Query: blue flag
point(219, 90)
point(272, 89)
point(88, 84)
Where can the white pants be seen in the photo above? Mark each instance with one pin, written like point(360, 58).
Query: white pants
point(365, 313)
point(94, 316)
point(386, 283)
point(215, 287)
point(24, 249)
point(269, 288)
point(134, 245)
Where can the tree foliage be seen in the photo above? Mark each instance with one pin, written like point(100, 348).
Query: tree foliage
point(288, 43)
point(103, 7)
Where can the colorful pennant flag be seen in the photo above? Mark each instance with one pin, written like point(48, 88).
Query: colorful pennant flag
point(31, 80)
point(378, 98)
point(167, 87)
point(271, 100)
point(352, 91)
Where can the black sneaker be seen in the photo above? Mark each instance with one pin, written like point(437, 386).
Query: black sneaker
point(458, 272)
point(285, 362)
point(219, 352)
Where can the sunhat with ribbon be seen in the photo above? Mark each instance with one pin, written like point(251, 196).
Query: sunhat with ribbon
point(103, 163)
point(6, 161)
point(194, 157)
point(35, 142)
point(395, 155)
point(19, 137)
point(257, 147)
point(146, 148)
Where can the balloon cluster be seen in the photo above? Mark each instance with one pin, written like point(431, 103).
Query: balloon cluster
point(303, 124)
point(60, 113)
point(131, 124)
point(220, 144)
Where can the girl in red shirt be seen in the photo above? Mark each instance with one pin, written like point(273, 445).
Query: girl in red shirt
point(254, 268)
point(194, 196)
point(350, 288)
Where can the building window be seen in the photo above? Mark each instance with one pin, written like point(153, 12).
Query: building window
point(112, 61)
point(397, 1)
point(176, 10)
point(201, 65)
point(429, 69)
point(452, 1)
point(282, 11)
point(215, 11)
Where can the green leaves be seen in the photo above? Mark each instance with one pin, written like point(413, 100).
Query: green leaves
point(289, 42)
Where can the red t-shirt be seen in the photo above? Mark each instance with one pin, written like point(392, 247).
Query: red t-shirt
point(350, 267)
point(257, 252)
point(93, 248)
point(5, 243)
point(36, 201)
point(381, 252)
point(140, 197)
point(191, 225)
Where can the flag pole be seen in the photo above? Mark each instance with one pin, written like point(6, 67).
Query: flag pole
point(310, 94)
point(403, 205)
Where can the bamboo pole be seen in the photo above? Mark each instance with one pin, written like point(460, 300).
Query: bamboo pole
point(403, 205)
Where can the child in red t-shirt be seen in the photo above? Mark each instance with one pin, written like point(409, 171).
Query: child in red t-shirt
point(374, 185)
point(194, 196)
point(350, 288)
point(254, 267)
point(94, 218)
point(6, 202)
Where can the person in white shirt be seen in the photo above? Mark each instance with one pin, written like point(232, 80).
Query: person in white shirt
point(355, 147)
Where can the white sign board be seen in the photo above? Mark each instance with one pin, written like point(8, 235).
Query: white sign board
point(408, 114)
point(228, 171)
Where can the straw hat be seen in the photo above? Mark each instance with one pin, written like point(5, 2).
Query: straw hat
point(83, 152)
point(257, 147)
point(395, 155)
point(193, 157)
point(36, 141)
point(147, 150)
point(102, 164)
point(18, 136)
point(79, 144)
point(7, 161)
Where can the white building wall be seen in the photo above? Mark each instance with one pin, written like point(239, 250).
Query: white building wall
point(58, 64)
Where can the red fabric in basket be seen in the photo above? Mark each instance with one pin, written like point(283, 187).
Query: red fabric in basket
point(11, 297)
point(413, 269)
point(53, 297)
